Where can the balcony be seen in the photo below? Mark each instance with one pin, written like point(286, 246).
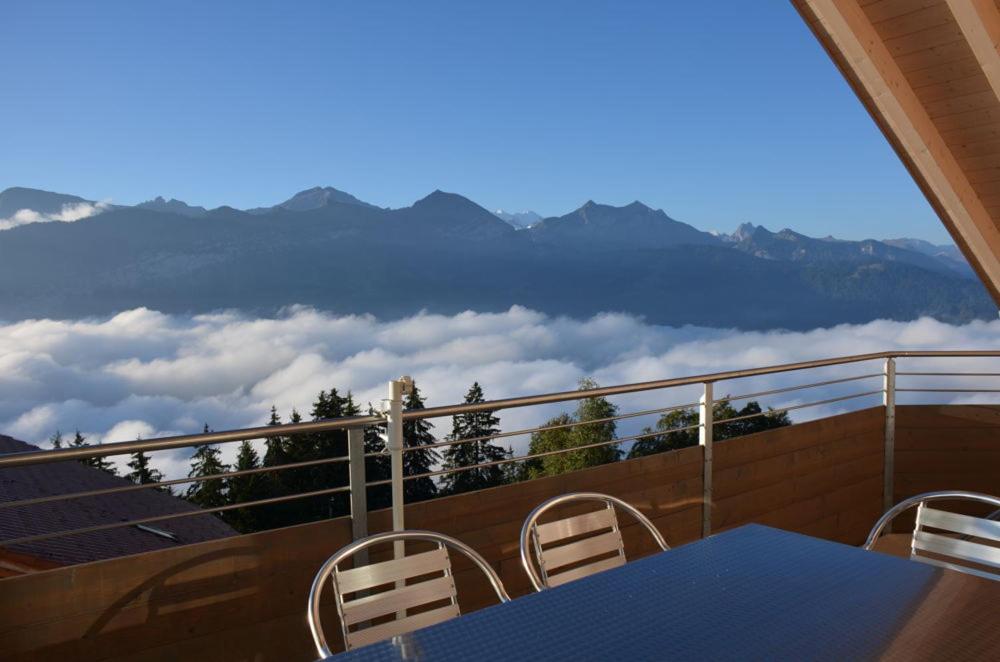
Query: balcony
point(888, 426)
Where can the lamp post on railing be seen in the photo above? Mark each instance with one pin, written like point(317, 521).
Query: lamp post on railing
point(889, 401)
point(706, 407)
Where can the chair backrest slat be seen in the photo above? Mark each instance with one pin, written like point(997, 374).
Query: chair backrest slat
point(586, 540)
point(956, 523)
point(385, 572)
point(953, 543)
point(954, 566)
point(380, 590)
point(962, 550)
point(575, 526)
point(575, 552)
point(402, 626)
point(390, 602)
point(585, 570)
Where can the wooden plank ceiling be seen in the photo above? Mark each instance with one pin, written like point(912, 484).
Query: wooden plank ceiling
point(929, 73)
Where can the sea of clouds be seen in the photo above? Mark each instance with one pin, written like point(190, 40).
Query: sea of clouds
point(145, 373)
point(67, 214)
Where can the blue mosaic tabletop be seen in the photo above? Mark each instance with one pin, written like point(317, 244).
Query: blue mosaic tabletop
point(752, 593)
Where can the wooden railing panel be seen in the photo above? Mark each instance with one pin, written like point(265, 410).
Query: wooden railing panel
point(946, 447)
point(808, 477)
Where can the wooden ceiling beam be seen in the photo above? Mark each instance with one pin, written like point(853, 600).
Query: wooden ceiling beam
point(857, 48)
point(979, 21)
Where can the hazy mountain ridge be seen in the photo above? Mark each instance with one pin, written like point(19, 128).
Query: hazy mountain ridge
point(447, 254)
point(947, 253)
point(605, 227)
point(17, 198)
point(790, 245)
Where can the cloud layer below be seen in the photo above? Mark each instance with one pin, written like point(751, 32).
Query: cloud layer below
point(68, 214)
point(146, 373)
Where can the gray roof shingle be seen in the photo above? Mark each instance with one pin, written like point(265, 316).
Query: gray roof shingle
point(18, 483)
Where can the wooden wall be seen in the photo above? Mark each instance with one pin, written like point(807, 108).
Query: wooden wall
point(241, 598)
point(245, 598)
point(822, 478)
point(948, 447)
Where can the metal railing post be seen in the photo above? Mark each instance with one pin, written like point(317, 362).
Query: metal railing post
point(705, 414)
point(394, 437)
point(359, 493)
point(394, 442)
point(889, 462)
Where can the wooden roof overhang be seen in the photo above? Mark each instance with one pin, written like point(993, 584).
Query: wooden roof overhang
point(928, 71)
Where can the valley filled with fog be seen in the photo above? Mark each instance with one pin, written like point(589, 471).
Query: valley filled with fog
point(149, 374)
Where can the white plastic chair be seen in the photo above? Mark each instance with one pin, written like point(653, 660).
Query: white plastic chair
point(960, 548)
point(367, 606)
point(602, 539)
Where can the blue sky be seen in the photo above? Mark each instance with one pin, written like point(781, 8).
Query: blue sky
point(719, 113)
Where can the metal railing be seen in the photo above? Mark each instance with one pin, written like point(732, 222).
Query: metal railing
point(392, 418)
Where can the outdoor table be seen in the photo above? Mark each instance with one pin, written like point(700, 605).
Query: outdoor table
point(749, 593)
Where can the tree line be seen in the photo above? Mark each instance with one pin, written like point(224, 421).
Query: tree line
point(570, 441)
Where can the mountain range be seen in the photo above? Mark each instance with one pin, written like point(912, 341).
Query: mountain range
point(326, 248)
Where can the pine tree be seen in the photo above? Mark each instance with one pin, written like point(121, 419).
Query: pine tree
point(275, 483)
point(417, 433)
point(274, 453)
point(474, 426)
point(244, 489)
point(327, 445)
point(56, 440)
point(298, 448)
point(102, 463)
point(207, 461)
point(143, 473)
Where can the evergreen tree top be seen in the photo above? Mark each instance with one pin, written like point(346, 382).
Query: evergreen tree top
point(413, 399)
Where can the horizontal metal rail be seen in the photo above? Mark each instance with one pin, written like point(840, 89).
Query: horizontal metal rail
point(183, 441)
point(565, 396)
point(788, 389)
point(169, 483)
point(780, 410)
point(526, 458)
point(950, 374)
point(948, 390)
point(617, 440)
point(647, 412)
point(170, 516)
point(545, 428)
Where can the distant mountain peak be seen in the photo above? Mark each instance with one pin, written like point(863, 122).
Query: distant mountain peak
point(746, 231)
point(443, 200)
point(172, 206)
point(518, 219)
point(453, 215)
point(606, 226)
point(316, 197)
